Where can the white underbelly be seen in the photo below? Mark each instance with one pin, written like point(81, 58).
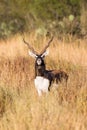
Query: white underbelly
point(42, 84)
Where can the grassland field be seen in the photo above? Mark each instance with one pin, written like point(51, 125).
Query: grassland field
point(64, 108)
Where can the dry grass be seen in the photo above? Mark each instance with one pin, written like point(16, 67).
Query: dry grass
point(61, 109)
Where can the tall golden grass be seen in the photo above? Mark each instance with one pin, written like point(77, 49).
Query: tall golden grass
point(64, 108)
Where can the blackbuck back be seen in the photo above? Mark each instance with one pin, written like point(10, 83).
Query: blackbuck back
point(44, 78)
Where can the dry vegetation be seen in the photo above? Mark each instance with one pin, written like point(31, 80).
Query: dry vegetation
point(64, 108)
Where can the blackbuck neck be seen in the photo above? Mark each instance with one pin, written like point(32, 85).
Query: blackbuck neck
point(39, 70)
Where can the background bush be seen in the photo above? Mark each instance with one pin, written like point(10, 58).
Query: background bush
point(66, 16)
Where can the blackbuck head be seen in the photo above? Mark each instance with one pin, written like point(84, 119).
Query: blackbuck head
point(38, 56)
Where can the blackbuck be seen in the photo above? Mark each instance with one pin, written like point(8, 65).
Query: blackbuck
point(44, 78)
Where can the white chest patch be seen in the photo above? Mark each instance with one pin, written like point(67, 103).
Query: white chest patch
point(41, 84)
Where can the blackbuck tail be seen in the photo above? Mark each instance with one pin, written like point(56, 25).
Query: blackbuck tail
point(60, 75)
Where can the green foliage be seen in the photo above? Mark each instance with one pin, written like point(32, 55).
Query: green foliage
point(16, 16)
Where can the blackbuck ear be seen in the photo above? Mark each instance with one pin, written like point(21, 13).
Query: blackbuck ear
point(45, 53)
point(32, 54)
